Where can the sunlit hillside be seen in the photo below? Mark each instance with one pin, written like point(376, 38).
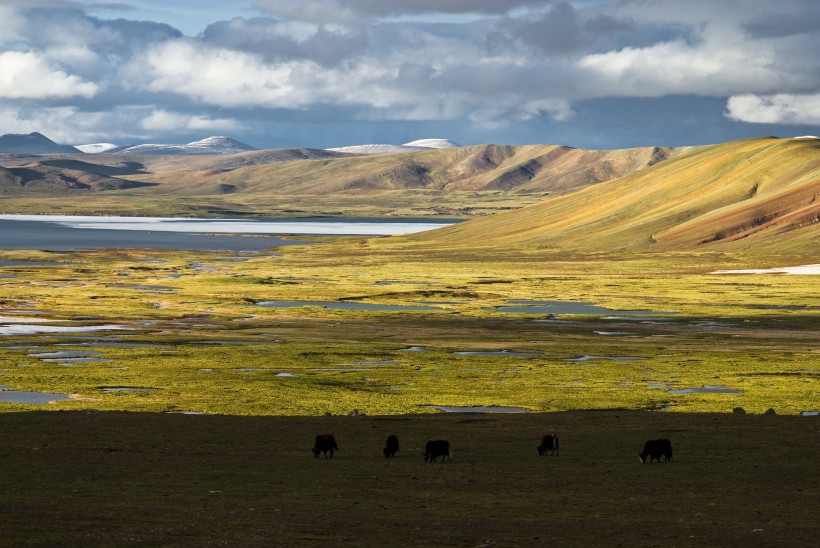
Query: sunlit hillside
point(463, 181)
point(758, 194)
point(520, 169)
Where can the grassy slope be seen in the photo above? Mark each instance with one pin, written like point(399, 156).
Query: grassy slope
point(745, 195)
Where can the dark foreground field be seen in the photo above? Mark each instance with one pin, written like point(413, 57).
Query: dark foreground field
point(89, 478)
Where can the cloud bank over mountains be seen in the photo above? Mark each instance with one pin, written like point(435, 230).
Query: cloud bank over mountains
point(377, 70)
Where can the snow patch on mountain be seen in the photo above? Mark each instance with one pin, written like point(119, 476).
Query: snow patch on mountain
point(211, 145)
point(97, 148)
point(414, 146)
point(433, 143)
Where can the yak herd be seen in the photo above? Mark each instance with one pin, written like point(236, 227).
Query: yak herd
point(326, 443)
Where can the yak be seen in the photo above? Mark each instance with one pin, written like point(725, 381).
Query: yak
point(435, 449)
point(548, 443)
point(391, 446)
point(324, 443)
point(655, 449)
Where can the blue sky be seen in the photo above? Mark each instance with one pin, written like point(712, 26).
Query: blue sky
point(325, 73)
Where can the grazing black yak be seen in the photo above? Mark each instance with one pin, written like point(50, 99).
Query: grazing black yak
point(548, 443)
point(435, 449)
point(391, 446)
point(324, 443)
point(655, 449)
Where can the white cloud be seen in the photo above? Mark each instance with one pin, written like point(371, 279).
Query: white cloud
point(62, 124)
point(223, 77)
point(775, 109)
point(162, 120)
point(29, 75)
point(679, 68)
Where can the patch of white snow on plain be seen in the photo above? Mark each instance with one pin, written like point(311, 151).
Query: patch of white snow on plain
point(808, 269)
point(29, 329)
point(807, 137)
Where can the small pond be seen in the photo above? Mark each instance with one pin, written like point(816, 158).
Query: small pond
point(126, 389)
point(708, 389)
point(39, 398)
point(510, 353)
point(527, 306)
point(587, 357)
point(478, 409)
point(345, 305)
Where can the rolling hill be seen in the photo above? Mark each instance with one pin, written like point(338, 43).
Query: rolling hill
point(758, 193)
point(538, 169)
point(451, 181)
point(60, 176)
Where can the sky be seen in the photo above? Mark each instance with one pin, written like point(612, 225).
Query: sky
point(596, 74)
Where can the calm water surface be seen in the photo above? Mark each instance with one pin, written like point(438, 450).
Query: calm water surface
point(61, 233)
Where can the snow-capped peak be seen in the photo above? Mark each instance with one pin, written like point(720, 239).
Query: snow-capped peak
point(414, 146)
point(210, 145)
point(432, 143)
point(96, 148)
point(220, 142)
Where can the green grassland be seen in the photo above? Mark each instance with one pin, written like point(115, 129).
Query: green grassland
point(203, 344)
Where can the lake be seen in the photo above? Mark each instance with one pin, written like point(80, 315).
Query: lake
point(63, 232)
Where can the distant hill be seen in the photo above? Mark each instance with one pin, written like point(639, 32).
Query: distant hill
point(452, 181)
point(33, 143)
point(536, 169)
point(63, 176)
point(758, 195)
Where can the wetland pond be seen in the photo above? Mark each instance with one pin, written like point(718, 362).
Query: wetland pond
point(528, 306)
point(64, 232)
point(21, 396)
point(344, 305)
point(478, 409)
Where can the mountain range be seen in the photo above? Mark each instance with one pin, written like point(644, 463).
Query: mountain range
point(37, 143)
point(756, 194)
point(211, 145)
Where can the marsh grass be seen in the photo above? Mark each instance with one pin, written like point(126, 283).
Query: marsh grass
point(721, 330)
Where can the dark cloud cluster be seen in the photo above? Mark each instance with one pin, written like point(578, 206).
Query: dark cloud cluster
point(275, 41)
point(561, 29)
point(482, 65)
